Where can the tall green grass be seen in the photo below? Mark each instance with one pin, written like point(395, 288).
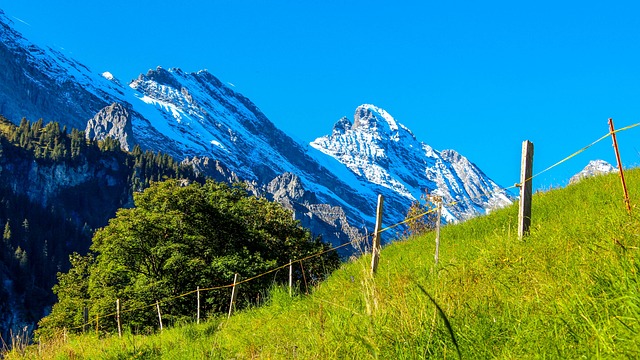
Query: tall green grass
point(568, 290)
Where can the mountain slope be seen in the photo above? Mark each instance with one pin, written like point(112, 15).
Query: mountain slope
point(196, 118)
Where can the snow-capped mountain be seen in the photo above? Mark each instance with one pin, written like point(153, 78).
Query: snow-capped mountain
point(593, 168)
point(331, 185)
point(41, 82)
point(382, 152)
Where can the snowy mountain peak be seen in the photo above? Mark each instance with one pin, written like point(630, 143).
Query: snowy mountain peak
point(371, 117)
point(594, 168)
point(381, 151)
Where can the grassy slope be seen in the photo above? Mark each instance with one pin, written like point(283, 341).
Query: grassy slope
point(570, 289)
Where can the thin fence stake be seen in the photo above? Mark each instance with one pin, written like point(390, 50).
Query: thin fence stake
point(439, 202)
point(233, 295)
point(198, 313)
point(375, 251)
point(526, 190)
point(624, 183)
point(290, 278)
point(159, 314)
point(118, 317)
point(304, 277)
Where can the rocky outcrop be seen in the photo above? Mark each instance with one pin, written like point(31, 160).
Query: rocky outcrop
point(59, 183)
point(113, 121)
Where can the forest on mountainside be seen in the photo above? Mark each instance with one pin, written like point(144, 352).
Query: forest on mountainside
point(56, 188)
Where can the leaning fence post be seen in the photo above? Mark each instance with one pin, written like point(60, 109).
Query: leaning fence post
point(375, 251)
point(159, 314)
point(234, 293)
point(526, 191)
point(624, 183)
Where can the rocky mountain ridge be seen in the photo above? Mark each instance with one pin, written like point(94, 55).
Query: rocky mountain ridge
point(196, 118)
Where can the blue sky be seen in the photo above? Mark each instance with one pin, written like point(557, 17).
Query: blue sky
point(475, 76)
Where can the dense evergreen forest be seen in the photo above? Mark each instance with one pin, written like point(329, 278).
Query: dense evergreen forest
point(45, 215)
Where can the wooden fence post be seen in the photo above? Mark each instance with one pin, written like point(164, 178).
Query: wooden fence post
point(198, 312)
point(439, 202)
point(526, 190)
point(624, 183)
point(290, 278)
point(375, 250)
point(118, 317)
point(234, 293)
point(159, 314)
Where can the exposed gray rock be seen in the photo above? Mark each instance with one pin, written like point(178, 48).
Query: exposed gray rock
point(112, 121)
point(288, 187)
point(211, 168)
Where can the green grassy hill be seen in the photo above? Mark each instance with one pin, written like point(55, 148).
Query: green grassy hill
point(569, 290)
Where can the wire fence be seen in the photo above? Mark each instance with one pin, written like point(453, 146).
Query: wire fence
point(387, 228)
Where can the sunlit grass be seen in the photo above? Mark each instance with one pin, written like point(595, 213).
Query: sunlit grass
point(568, 290)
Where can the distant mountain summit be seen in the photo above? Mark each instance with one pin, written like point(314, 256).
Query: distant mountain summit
point(330, 185)
point(381, 151)
point(594, 168)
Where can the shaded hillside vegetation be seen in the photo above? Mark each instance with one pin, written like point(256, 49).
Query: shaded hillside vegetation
point(55, 189)
point(571, 289)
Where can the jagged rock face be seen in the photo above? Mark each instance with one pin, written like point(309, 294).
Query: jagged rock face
point(46, 183)
point(288, 188)
point(113, 121)
point(211, 168)
point(594, 168)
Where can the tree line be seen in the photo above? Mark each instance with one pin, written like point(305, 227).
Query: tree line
point(173, 232)
point(38, 234)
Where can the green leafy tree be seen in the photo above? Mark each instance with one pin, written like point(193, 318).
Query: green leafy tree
point(179, 237)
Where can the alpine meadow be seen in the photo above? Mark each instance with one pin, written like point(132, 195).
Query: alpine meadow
point(568, 290)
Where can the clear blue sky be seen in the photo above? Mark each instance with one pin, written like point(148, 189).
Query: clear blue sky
point(476, 76)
